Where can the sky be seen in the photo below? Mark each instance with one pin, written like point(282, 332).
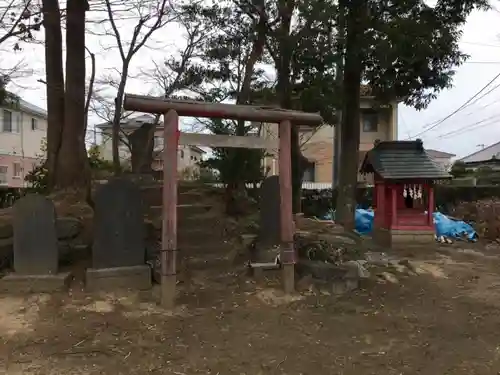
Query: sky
point(471, 128)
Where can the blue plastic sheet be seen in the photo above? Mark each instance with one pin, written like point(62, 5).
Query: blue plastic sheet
point(452, 228)
point(444, 225)
point(364, 220)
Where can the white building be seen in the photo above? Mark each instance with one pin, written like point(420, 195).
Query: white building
point(187, 156)
point(487, 153)
point(23, 130)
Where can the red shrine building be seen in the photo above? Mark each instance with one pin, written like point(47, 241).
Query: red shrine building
point(404, 176)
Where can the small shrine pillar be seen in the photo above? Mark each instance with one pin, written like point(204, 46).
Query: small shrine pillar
point(431, 205)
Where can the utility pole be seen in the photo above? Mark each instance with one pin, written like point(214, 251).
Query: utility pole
point(336, 165)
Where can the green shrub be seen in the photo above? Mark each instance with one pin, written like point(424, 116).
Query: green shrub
point(320, 202)
point(38, 179)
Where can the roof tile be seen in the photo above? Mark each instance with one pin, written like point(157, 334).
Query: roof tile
point(400, 160)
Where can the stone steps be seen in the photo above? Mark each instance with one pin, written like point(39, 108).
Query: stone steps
point(183, 210)
point(199, 237)
point(153, 195)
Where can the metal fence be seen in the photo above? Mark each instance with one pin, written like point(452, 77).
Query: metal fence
point(305, 185)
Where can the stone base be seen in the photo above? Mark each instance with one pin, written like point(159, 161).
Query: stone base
point(395, 237)
point(135, 277)
point(382, 237)
point(412, 236)
point(16, 283)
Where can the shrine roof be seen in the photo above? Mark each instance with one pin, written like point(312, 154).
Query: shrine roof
point(402, 160)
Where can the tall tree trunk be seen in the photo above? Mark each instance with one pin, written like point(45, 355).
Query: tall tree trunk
point(54, 84)
point(90, 89)
point(285, 49)
point(115, 131)
point(350, 130)
point(339, 77)
point(236, 188)
point(141, 148)
point(73, 171)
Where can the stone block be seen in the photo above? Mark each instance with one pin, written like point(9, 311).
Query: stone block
point(382, 237)
point(18, 283)
point(108, 279)
point(412, 237)
point(119, 229)
point(321, 270)
point(35, 239)
point(270, 219)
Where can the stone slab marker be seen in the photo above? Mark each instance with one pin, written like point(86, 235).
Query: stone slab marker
point(270, 220)
point(36, 253)
point(269, 236)
point(119, 249)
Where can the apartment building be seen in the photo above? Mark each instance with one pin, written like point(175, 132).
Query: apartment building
point(187, 156)
point(23, 130)
point(318, 145)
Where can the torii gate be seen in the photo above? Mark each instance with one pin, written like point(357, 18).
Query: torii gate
point(172, 109)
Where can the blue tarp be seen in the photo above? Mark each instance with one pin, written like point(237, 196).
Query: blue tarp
point(452, 228)
point(444, 225)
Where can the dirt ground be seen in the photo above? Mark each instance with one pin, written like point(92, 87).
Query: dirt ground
point(443, 319)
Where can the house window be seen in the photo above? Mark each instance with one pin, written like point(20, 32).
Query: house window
point(182, 154)
point(309, 172)
point(34, 124)
point(3, 174)
point(18, 123)
point(17, 170)
point(157, 142)
point(370, 121)
point(7, 121)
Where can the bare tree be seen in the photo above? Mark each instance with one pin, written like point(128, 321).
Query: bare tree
point(102, 106)
point(175, 76)
point(18, 20)
point(90, 88)
point(151, 16)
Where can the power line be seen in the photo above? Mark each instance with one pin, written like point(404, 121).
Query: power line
point(479, 126)
point(482, 62)
point(482, 107)
point(431, 126)
point(481, 44)
point(469, 127)
point(485, 94)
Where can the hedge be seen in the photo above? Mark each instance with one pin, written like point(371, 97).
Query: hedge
point(320, 202)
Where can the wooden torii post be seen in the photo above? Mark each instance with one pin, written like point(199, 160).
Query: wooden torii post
point(172, 109)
